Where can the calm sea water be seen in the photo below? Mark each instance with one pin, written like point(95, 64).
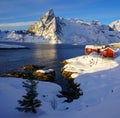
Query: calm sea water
point(46, 55)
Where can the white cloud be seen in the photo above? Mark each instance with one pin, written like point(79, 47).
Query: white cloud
point(17, 24)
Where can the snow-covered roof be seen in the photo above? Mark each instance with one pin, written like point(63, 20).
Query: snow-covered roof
point(110, 49)
point(95, 46)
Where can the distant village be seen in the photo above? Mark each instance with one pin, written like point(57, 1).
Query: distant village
point(110, 50)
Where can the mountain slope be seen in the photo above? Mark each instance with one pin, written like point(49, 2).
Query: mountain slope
point(73, 30)
point(115, 25)
point(52, 29)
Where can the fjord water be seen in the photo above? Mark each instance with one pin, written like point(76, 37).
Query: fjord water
point(46, 55)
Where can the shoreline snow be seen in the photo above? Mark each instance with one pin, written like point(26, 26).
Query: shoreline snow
point(89, 64)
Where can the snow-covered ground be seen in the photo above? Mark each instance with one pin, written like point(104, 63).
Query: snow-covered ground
point(99, 81)
point(8, 46)
point(89, 64)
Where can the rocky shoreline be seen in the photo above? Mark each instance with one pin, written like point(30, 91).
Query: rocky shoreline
point(66, 74)
point(37, 72)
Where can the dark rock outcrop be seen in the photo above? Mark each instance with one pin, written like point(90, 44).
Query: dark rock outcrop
point(66, 74)
point(32, 71)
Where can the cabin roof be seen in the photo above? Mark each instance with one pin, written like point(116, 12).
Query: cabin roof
point(110, 49)
point(95, 46)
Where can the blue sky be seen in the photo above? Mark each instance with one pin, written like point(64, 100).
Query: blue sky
point(106, 11)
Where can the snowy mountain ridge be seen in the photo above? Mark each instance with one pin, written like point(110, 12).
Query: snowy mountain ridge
point(52, 29)
point(115, 25)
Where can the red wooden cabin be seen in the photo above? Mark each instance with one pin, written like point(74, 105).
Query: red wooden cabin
point(108, 52)
point(102, 50)
point(93, 48)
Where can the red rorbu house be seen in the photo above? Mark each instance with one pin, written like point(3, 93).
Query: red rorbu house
point(102, 50)
point(108, 52)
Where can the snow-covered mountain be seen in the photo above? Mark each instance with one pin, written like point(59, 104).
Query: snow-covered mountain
point(91, 33)
point(12, 35)
point(49, 27)
point(115, 25)
point(52, 29)
point(73, 30)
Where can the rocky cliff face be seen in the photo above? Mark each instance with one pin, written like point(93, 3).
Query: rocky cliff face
point(49, 27)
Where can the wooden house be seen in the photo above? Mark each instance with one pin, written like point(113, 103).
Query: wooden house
point(108, 52)
point(100, 49)
point(93, 48)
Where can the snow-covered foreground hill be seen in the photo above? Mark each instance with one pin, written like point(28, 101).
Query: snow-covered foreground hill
point(98, 78)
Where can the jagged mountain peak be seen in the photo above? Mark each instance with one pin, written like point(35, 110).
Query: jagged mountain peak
point(48, 16)
point(49, 26)
point(49, 12)
point(95, 22)
point(115, 25)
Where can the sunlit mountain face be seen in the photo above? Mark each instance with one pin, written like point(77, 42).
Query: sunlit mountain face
point(56, 30)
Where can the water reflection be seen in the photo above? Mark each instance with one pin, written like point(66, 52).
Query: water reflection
point(45, 55)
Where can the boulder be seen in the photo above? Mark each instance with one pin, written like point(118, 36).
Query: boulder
point(44, 75)
point(34, 72)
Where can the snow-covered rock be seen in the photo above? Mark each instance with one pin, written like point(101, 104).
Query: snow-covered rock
point(115, 25)
point(14, 35)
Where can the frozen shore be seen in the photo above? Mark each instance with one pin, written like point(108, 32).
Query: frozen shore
point(98, 79)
